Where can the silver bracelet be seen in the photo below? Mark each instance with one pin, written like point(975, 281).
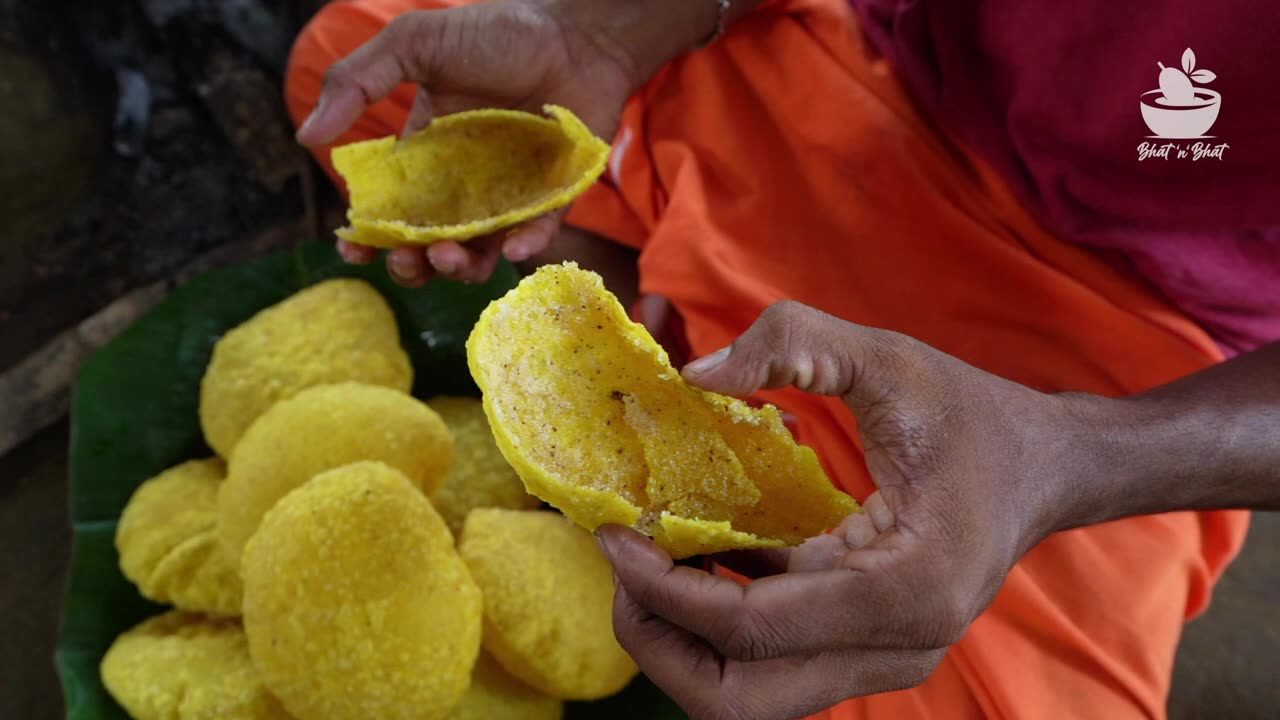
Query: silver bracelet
point(722, 12)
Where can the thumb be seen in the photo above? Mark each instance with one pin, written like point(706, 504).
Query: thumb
point(369, 74)
point(790, 345)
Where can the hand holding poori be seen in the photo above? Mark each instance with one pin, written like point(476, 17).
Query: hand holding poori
point(586, 407)
point(493, 55)
point(966, 487)
point(466, 175)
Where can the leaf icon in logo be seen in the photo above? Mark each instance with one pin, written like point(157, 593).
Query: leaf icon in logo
point(1203, 76)
point(1188, 61)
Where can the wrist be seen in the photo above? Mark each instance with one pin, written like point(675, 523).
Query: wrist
point(640, 36)
point(1053, 462)
point(1131, 456)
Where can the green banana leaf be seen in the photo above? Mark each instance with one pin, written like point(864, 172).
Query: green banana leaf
point(134, 413)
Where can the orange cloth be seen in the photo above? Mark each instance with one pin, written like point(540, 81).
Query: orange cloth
point(785, 161)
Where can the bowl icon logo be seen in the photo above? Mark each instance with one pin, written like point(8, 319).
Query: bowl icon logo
point(1179, 109)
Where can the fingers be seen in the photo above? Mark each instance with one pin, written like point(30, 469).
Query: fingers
point(714, 608)
point(657, 583)
point(356, 254)
point(709, 686)
point(790, 344)
point(415, 266)
point(367, 75)
point(857, 530)
point(408, 266)
point(532, 238)
point(420, 114)
point(675, 660)
point(795, 345)
point(823, 552)
point(884, 596)
point(473, 261)
point(877, 510)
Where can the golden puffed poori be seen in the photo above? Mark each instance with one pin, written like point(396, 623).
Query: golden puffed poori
point(182, 666)
point(168, 541)
point(481, 477)
point(356, 604)
point(495, 695)
point(548, 602)
point(322, 428)
point(466, 175)
point(335, 331)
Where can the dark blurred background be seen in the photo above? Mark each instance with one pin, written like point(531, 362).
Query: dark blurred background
point(145, 141)
point(141, 142)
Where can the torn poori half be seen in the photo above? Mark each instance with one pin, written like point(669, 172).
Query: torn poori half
point(587, 408)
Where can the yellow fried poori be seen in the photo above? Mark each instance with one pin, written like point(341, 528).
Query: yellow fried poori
point(181, 666)
point(466, 175)
point(588, 409)
point(356, 604)
point(480, 477)
point(322, 428)
point(168, 541)
point(548, 602)
point(335, 331)
point(495, 695)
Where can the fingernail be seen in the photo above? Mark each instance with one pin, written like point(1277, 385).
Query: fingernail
point(343, 251)
point(302, 129)
point(306, 124)
point(402, 273)
point(444, 267)
point(706, 364)
point(517, 253)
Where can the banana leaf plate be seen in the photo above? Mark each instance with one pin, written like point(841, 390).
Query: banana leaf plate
point(133, 414)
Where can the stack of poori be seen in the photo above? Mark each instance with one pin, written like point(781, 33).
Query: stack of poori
point(353, 552)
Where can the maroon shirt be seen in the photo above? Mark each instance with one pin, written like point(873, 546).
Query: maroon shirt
point(1051, 93)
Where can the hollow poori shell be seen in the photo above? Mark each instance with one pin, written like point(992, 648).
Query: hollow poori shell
point(589, 411)
point(466, 175)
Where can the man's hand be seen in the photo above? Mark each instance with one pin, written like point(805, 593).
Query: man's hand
point(970, 471)
point(502, 54)
point(586, 55)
